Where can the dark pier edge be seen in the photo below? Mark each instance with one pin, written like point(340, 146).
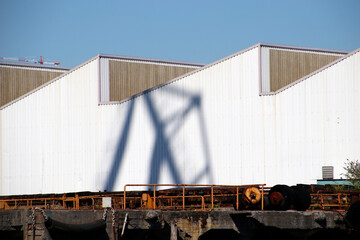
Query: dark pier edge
point(157, 224)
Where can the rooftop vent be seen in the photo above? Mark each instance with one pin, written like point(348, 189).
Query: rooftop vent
point(328, 172)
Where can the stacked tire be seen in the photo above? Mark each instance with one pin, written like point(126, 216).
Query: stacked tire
point(353, 216)
point(283, 197)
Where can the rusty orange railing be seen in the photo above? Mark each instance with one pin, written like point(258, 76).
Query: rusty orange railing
point(62, 202)
point(325, 200)
point(180, 198)
point(184, 196)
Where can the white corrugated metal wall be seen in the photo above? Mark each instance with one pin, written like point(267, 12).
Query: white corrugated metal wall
point(47, 142)
point(316, 123)
point(189, 131)
point(265, 62)
point(208, 127)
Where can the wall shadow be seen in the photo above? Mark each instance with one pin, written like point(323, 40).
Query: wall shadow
point(161, 151)
point(121, 146)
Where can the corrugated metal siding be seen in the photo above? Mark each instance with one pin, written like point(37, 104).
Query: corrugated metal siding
point(15, 82)
point(172, 134)
point(49, 139)
point(191, 131)
point(1, 154)
point(208, 127)
point(130, 78)
point(316, 122)
point(288, 66)
point(265, 70)
point(104, 80)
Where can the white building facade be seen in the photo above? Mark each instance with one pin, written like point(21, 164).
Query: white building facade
point(214, 125)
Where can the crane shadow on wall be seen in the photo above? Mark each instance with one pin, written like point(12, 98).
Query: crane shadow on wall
point(121, 146)
point(162, 152)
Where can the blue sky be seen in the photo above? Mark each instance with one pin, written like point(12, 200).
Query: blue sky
point(197, 31)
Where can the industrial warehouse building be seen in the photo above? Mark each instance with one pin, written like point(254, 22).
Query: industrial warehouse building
point(17, 79)
point(268, 114)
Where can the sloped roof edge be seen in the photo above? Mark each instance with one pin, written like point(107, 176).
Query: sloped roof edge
point(224, 59)
point(312, 74)
point(153, 60)
point(88, 61)
point(49, 82)
point(182, 76)
point(192, 72)
point(303, 48)
point(29, 65)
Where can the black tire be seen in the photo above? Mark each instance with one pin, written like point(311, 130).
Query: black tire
point(267, 205)
point(281, 197)
point(353, 215)
point(302, 198)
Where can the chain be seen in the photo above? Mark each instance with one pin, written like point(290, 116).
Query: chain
point(105, 214)
point(42, 212)
point(33, 222)
point(112, 213)
point(113, 217)
point(33, 217)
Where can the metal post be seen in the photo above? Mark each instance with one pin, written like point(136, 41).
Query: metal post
point(183, 197)
point(154, 205)
point(262, 197)
point(237, 198)
point(212, 196)
point(322, 203)
point(124, 197)
point(77, 201)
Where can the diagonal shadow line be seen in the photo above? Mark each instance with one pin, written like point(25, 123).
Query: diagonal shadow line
point(157, 159)
point(204, 137)
point(200, 175)
point(195, 102)
point(120, 149)
point(179, 92)
point(183, 93)
point(161, 149)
